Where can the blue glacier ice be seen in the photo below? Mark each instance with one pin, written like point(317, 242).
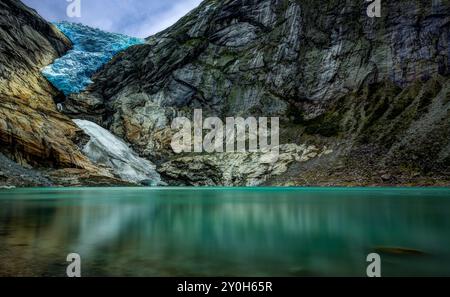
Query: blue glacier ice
point(92, 48)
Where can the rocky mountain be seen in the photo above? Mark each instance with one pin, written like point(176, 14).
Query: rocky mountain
point(361, 100)
point(32, 132)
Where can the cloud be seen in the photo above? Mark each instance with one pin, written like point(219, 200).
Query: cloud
point(140, 18)
point(166, 18)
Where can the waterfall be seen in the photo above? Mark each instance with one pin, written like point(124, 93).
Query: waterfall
point(107, 149)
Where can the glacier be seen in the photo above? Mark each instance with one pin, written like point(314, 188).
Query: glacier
point(106, 149)
point(92, 48)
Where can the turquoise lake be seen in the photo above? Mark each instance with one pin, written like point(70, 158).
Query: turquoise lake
point(224, 231)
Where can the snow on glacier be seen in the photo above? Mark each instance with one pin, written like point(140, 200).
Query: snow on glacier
point(92, 48)
point(107, 149)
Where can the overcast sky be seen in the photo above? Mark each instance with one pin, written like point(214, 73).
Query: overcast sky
point(139, 18)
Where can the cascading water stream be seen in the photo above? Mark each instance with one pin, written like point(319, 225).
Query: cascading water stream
point(105, 148)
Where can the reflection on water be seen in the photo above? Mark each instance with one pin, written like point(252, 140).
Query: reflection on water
point(224, 232)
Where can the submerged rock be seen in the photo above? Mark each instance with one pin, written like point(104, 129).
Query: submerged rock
point(398, 251)
point(107, 149)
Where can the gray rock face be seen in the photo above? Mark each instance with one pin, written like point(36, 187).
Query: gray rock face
point(333, 75)
point(237, 169)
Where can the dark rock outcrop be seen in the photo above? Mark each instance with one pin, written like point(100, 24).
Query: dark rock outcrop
point(374, 91)
point(12, 174)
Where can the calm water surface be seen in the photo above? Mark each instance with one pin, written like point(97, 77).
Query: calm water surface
point(225, 232)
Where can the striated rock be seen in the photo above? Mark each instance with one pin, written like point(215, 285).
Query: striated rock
point(364, 87)
point(74, 177)
point(366, 95)
point(28, 43)
point(32, 131)
point(236, 169)
point(90, 107)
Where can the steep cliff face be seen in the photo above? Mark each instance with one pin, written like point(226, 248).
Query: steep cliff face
point(28, 43)
point(32, 131)
point(375, 92)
